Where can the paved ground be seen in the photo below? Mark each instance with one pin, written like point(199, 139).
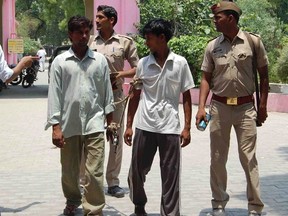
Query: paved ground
point(30, 168)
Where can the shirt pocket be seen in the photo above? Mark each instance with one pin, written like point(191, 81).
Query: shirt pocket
point(220, 59)
point(117, 55)
point(173, 86)
point(243, 57)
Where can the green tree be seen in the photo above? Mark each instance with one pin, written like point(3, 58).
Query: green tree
point(259, 16)
point(281, 66)
point(46, 20)
point(188, 16)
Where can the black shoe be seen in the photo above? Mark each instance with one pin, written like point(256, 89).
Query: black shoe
point(254, 213)
point(218, 212)
point(70, 210)
point(116, 191)
point(140, 211)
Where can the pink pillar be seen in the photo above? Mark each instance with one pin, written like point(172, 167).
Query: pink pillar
point(128, 14)
point(9, 29)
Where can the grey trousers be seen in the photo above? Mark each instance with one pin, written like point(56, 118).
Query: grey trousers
point(145, 145)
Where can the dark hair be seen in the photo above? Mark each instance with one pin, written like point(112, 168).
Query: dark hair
point(158, 26)
point(109, 12)
point(77, 22)
point(233, 13)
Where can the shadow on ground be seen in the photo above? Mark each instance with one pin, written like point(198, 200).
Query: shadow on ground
point(18, 92)
point(15, 210)
point(283, 152)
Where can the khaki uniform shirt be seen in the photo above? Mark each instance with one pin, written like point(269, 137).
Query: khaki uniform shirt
point(231, 65)
point(117, 49)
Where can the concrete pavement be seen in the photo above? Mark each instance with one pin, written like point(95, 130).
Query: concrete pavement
point(30, 168)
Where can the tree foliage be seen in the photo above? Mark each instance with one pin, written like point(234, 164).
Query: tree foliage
point(188, 16)
point(282, 65)
point(46, 20)
point(258, 17)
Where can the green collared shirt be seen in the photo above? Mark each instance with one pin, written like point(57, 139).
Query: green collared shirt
point(80, 93)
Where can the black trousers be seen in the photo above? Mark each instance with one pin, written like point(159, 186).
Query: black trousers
point(145, 145)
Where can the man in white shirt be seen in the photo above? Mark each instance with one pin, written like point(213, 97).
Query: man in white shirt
point(42, 55)
point(165, 75)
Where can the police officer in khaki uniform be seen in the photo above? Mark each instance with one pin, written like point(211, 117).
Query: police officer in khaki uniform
point(117, 48)
point(228, 73)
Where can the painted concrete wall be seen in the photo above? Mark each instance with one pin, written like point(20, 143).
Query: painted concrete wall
point(128, 14)
point(9, 28)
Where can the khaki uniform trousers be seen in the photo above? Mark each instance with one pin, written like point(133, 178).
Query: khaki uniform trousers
point(115, 154)
point(243, 119)
point(93, 200)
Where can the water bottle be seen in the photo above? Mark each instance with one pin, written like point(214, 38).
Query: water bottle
point(203, 124)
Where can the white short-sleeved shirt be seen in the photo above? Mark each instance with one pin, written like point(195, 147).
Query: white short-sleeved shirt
point(158, 107)
point(5, 71)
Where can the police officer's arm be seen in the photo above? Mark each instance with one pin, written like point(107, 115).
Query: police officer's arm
point(204, 91)
point(187, 106)
point(264, 88)
point(127, 73)
point(132, 108)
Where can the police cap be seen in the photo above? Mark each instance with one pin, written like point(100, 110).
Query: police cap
point(224, 6)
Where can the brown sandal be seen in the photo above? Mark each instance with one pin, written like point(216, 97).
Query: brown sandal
point(70, 210)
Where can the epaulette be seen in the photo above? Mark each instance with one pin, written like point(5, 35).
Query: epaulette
point(214, 38)
point(126, 36)
point(256, 35)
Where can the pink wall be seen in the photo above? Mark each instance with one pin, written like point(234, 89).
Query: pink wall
point(9, 29)
point(128, 14)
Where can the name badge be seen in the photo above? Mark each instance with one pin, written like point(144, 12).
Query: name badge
point(232, 101)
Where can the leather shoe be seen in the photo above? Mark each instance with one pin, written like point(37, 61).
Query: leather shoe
point(254, 213)
point(140, 211)
point(116, 191)
point(218, 212)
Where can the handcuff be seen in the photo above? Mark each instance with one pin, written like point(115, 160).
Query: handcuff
point(112, 128)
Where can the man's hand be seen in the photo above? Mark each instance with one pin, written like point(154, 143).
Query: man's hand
point(57, 136)
point(128, 136)
point(262, 114)
point(111, 128)
point(185, 137)
point(27, 61)
point(201, 114)
point(113, 79)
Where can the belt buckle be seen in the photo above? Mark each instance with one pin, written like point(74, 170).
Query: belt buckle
point(232, 101)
